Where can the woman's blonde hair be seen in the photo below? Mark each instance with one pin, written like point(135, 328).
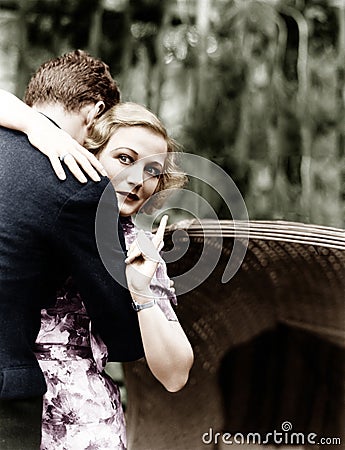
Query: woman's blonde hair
point(129, 115)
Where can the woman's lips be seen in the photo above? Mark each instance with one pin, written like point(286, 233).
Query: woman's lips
point(129, 195)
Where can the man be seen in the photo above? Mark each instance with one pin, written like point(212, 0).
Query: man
point(47, 232)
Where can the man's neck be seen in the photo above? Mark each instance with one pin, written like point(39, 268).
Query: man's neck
point(71, 122)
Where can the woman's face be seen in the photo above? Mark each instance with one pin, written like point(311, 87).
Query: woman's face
point(134, 159)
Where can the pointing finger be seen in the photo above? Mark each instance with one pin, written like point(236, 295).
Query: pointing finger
point(159, 236)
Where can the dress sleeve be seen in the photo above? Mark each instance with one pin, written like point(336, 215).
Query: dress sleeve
point(160, 286)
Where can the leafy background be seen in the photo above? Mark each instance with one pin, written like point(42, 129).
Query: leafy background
point(257, 86)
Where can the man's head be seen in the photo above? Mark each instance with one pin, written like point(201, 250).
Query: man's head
point(74, 80)
point(76, 86)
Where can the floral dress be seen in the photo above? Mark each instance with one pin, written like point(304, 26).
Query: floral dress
point(82, 407)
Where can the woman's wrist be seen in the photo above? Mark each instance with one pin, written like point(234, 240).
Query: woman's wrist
point(142, 296)
point(35, 121)
point(143, 299)
point(140, 306)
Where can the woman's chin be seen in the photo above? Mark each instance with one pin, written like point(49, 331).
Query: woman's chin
point(126, 211)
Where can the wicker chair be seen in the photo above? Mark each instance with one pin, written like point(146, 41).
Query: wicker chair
point(268, 344)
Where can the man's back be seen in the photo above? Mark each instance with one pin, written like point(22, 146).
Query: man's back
point(46, 233)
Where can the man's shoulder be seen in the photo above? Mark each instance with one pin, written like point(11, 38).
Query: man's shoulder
point(14, 145)
point(9, 136)
point(29, 171)
point(90, 190)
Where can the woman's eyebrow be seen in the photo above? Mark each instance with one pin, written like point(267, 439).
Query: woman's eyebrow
point(124, 148)
point(157, 163)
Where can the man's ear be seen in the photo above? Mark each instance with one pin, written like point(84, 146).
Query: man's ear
point(94, 112)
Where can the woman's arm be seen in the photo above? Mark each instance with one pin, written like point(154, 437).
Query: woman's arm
point(168, 352)
point(49, 139)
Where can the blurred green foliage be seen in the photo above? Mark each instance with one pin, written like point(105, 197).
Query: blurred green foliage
point(257, 86)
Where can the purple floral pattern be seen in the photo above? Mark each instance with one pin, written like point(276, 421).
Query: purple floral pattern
point(82, 407)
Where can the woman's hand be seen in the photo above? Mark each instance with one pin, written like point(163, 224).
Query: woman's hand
point(58, 145)
point(48, 139)
point(142, 261)
point(168, 352)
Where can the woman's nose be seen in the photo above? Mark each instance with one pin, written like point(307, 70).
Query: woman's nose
point(135, 175)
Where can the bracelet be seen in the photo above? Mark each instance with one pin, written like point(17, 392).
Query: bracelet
point(139, 306)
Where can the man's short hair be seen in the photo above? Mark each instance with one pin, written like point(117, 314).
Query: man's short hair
point(73, 80)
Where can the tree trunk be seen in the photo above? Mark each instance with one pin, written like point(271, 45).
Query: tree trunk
point(95, 34)
point(23, 69)
point(203, 25)
point(341, 80)
point(9, 53)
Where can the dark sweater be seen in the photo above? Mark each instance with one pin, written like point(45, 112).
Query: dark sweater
point(47, 232)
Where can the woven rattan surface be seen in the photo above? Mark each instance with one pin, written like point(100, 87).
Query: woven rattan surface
point(269, 343)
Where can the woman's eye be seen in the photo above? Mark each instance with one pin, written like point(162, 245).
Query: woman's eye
point(153, 171)
point(125, 159)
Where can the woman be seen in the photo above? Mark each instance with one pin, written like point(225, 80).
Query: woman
point(82, 407)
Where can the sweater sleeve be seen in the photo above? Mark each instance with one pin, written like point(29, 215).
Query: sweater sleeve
point(87, 231)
